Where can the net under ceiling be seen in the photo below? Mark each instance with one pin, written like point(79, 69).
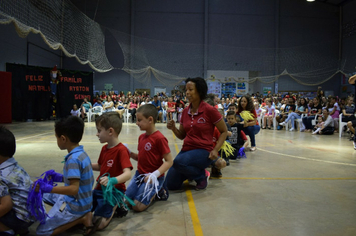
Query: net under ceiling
point(63, 26)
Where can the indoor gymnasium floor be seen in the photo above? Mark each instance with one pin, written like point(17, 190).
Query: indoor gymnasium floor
point(294, 184)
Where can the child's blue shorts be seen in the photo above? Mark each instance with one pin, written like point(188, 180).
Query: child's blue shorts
point(56, 217)
point(135, 192)
point(100, 207)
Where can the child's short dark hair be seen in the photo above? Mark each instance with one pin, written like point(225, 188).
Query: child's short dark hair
point(110, 120)
point(231, 113)
point(7, 142)
point(148, 110)
point(232, 105)
point(72, 127)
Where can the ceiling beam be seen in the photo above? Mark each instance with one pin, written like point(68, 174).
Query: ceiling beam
point(328, 3)
point(343, 3)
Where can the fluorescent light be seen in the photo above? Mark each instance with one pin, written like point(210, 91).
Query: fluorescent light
point(310, 0)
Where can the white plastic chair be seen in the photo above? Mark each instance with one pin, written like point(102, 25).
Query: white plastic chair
point(341, 125)
point(276, 113)
point(260, 118)
point(288, 124)
point(98, 110)
point(300, 120)
point(127, 115)
point(315, 119)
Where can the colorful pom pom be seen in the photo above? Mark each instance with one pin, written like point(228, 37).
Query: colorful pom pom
point(34, 204)
point(247, 115)
point(112, 195)
point(227, 149)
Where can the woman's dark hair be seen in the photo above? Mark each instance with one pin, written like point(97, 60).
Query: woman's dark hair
point(305, 105)
point(200, 85)
point(317, 98)
point(320, 93)
point(249, 106)
point(327, 110)
point(7, 142)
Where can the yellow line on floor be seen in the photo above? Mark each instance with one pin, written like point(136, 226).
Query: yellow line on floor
point(263, 178)
point(194, 214)
point(307, 158)
point(193, 211)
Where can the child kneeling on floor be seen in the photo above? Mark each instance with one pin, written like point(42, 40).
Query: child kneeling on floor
point(152, 148)
point(236, 136)
point(15, 184)
point(219, 163)
point(73, 201)
point(114, 160)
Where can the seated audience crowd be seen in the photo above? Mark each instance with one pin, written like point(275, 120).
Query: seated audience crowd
point(273, 111)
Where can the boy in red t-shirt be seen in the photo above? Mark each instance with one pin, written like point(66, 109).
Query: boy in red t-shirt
point(152, 149)
point(114, 159)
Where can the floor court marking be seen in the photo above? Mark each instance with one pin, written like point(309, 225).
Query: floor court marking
point(193, 211)
point(33, 136)
point(309, 159)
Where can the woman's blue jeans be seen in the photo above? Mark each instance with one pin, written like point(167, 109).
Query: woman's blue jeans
point(307, 121)
point(252, 131)
point(187, 165)
point(292, 116)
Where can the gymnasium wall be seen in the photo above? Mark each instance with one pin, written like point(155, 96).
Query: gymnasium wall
point(250, 23)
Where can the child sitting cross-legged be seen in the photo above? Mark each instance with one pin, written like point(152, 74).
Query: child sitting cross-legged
point(114, 166)
point(319, 125)
point(152, 149)
point(236, 136)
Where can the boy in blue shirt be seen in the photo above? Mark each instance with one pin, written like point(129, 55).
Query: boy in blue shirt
point(73, 201)
point(15, 184)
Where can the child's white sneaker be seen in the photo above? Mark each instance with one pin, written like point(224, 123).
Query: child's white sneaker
point(282, 124)
point(291, 129)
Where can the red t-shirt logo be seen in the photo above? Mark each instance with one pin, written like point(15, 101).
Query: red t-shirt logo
point(148, 146)
point(110, 163)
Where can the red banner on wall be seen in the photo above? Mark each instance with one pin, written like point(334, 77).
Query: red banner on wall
point(5, 97)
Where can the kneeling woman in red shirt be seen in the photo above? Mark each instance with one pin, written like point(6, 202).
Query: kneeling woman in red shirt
point(196, 128)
